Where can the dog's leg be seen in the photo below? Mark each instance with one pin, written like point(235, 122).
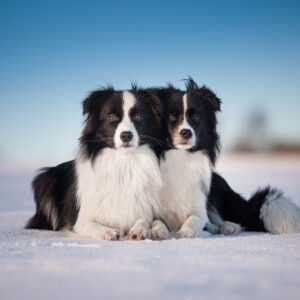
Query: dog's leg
point(97, 231)
point(228, 228)
point(159, 231)
point(225, 227)
point(212, 228)
point(140, 230)
point(192, 227)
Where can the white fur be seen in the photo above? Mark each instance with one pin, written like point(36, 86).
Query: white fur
point(116, 190)
point(215, 217)
point(184, 176)
point(95, 230)
point(212, 228)
point(159, 231)
point(192, 228)
point(280, 214)
point(140, 230)
point(126, 125)
point(219, 225)
point(184, 125)
point(228, 228)
point(50, 211)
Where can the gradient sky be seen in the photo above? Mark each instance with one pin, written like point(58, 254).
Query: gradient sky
point(54, 52)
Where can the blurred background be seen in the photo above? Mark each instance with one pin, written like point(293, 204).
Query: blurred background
point(54, 52)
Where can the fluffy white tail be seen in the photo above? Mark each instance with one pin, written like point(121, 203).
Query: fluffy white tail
point(279, 214)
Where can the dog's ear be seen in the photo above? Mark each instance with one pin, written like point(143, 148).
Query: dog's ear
point(151, 97)
point(156, 106)
point(89, 103)
point(164, 94)
point(211, 97)
point(204, 92)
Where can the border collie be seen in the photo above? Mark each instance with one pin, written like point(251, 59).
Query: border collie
point(114, 185)
point(193, 192)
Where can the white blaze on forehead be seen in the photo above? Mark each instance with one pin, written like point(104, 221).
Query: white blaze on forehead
point(184, 106)
point(128, 103)
point(126, 124)
point(185, 125)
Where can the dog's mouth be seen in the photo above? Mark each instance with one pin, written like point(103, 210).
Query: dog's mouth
point(126, 146)
point(181, 143)
point(184, 145)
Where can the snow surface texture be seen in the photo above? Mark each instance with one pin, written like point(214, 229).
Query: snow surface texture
point(59, 265)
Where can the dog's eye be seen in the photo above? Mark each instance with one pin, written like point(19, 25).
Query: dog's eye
point(172, 117)
point(112, 118)
point(138, 117)
point(196, 117)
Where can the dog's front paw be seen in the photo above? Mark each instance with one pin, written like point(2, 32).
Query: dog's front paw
point(140, 230)
point(159, 231)
point(190, 233)
point(186, 232)
point(228, 228)
point(138, 234)
point(110, 234)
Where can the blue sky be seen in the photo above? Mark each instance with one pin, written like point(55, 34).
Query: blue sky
point(54, 52)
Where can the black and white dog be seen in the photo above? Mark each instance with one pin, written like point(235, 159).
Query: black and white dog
point(193, 194)
point(114, 185)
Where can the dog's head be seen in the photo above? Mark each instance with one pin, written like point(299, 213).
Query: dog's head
point(190, 118)
point(123, 120)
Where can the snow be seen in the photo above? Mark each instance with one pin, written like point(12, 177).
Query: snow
point(59, 265)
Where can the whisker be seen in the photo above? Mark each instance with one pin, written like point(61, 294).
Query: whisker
point(110, 139)
point(161, 143)
point(99, 140)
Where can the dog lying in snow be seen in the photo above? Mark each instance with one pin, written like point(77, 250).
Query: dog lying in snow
point(113, 187)
point(194, 196)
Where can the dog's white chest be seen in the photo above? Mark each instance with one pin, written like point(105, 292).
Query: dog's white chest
point(119, 187)
point(186, 180)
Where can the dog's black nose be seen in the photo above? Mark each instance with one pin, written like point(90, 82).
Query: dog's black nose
point(186, 133)
point(126, 136)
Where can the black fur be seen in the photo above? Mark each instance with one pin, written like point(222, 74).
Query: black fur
point(233, 207)
point(54, 198)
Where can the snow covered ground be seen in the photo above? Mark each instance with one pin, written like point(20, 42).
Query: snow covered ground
point(51, 265)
